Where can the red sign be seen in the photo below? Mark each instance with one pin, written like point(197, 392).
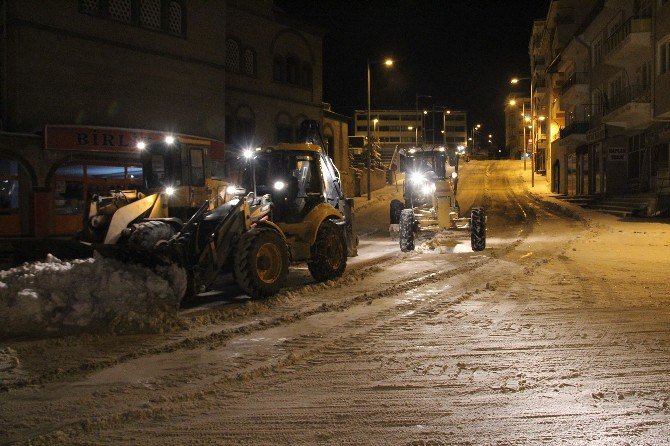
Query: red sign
point(104, 139)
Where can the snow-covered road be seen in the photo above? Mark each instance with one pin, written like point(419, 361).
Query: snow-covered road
point(557, 333)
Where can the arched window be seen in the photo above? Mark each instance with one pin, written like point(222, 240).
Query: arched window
point(232, 56)
point(292, 70)
point(249, 62)
point(278, 69)
point(306, 75)
point(284, 128)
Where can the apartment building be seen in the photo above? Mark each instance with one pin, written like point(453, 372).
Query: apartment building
point(393, 129)
point(608, 95)
point(517, 125)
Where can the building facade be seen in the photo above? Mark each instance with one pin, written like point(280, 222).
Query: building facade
point(607, 93)
point(82, 81)
point(274, 74)
point(398, 129)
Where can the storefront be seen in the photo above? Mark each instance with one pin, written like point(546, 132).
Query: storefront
point(45, 186)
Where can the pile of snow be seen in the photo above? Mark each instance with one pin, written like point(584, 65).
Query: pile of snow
point(443, 242)
point(96, 294)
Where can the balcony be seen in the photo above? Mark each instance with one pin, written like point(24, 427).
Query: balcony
point(540, 87)
point(630, 109)
point(575, 89)
point(629, 42)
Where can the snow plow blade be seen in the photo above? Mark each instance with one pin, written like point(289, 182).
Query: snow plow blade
point(146, 257)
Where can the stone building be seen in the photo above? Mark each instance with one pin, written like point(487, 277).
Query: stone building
point(84, 80)
point(274, 74)
point(80, 78)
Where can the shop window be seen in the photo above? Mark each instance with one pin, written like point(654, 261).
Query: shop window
point(9, 186)
point(106, 172)
point(69, 190)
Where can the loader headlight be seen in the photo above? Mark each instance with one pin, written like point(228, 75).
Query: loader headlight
point(169, 191)
point(248, 154)
point(231, 190)
point(427, 189)
point(279, 185)
point(454, 175)
point(417, 178)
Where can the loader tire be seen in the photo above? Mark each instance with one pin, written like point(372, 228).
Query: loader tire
point(329, 253)
point(148, 233)
point(261, 262)
point(396, 208)
point(478, 229)
point(407, 227)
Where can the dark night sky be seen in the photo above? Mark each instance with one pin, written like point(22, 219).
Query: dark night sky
point(460, 52)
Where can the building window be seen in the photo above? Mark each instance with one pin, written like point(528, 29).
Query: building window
point(150, 14)
point(244, 132)
point(284, 133)
point(306, 76)
point(159, 15)
point(292, 65)
point(9, 186)
point(664, 57)
point(232, 56)
point(175, 18)
point(278, 69)
point(249, 62)
point(120, 10)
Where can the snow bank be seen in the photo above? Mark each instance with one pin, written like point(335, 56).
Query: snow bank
point(96, 294)
point(444, 241)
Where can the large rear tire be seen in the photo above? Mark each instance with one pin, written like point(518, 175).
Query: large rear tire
point(478, 229)
point(397, 207)
point(148, 233)
point(329, 253)
point(407, 226)
point(261, 262)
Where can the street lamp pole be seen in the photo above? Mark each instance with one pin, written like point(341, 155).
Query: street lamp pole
point(388, 63)
point(532, 124)
point(369, 141)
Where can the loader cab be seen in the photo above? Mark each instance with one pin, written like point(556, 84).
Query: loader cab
point(179, 170)
point(422, 169)
point(297, 176)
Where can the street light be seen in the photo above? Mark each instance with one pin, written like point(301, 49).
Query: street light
point(514, 81)
point(512, 102)
point(388, 62)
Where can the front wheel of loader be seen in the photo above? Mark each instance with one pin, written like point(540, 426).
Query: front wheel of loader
point(407, 226)
point(261, 262)
point(478, 229)
point(148, 233)
point(329, 253)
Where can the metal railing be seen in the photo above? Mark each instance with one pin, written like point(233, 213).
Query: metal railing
point(631, 93)
point(577, 127)
point(632, 25)
point(574, 79)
